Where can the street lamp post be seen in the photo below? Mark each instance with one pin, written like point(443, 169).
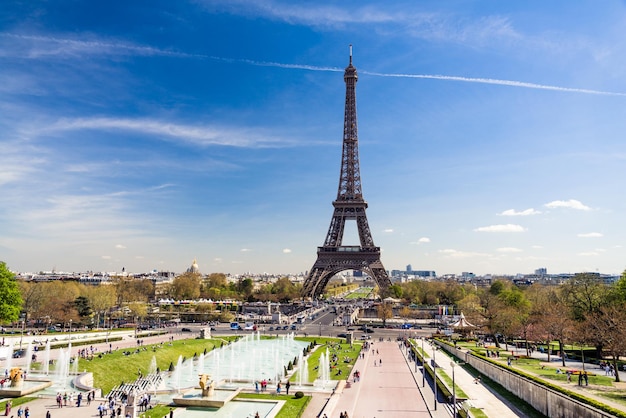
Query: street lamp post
point(22, 335)
point(70, 334)
point(435, 373)
point(423, 365)
point(453, 364)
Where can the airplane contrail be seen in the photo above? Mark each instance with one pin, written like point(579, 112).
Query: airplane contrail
point(510, 83)
point(97, 46)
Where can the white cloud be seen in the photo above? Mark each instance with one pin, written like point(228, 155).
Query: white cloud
point(588, 254)
point(590, 235)
point(120, 247)
point(245, 250)
point(571, 204)
point(423, 240)
point(513, 212)
point(461, 254)
point(286, 251)
point(106, 257)
point(508, 250)
point(501, 228)
point(202, 135)
point(388, 230)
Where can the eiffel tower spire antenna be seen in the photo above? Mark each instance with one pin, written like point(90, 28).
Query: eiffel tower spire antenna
point(333, 257)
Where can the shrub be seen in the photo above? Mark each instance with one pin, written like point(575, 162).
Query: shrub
point(299, 394)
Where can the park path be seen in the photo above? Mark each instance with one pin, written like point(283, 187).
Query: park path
point(385, 390)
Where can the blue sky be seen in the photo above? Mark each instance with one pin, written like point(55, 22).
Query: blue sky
point(145, 134)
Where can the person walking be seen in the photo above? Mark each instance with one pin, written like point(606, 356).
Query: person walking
point(287, 386)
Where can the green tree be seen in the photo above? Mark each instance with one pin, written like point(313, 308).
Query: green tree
point(186, 286)
point(33, 295)
point(10, 297)
point(101, 299)
point(385, 312)
point(83, 308)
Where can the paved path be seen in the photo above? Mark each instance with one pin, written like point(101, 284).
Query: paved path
point(387, 387)
point(479, 395)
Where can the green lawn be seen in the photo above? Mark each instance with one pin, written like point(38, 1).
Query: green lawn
point(115, 368)
point(549, 372)
point(343, 352)
point(293, 407)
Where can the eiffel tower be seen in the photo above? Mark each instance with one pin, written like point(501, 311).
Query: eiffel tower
point(333, 257)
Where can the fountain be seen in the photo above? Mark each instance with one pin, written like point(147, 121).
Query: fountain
point(323, 378)
point(153, 366)
point(46, 359)
point(209, 396)
point(29, 356)
point(237, 364)
point(303, 370)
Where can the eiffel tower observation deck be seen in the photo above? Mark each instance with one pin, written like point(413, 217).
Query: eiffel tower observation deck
point(333, 257)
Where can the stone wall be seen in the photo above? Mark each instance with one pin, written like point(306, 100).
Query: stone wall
point(545, 400)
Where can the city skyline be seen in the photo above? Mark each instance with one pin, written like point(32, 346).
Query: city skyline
point(146, 135)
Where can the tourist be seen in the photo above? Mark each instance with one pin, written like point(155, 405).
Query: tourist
point(27, 413)
point(48, 415)
point(278, 388)
point(287, 386)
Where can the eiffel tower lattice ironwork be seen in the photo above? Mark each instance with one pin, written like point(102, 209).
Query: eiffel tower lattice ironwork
point(333, 257)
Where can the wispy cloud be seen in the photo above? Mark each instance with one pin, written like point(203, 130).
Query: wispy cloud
point(461, 254)
point(286, 251)
point(570, 204)
point(195, 134)
point(501, 228)
point(513, 212)
point(508, 250)
point(590, 235)
point(37, 46)
point(589, 254)
point(409, 23)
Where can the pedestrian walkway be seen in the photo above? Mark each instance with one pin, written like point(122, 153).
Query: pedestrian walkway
point(387, 387)
point(479, 396)
point(491, 403)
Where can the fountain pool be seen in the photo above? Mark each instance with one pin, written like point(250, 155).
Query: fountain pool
point(245, 361)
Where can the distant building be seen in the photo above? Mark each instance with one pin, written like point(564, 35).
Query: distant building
point(194, 267)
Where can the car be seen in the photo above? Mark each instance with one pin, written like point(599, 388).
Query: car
point(271, 328)
point(19, 353)
point(406, 326)
point(293, 327)
point(185, 329)
point(342, 335)
point(286, 327)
